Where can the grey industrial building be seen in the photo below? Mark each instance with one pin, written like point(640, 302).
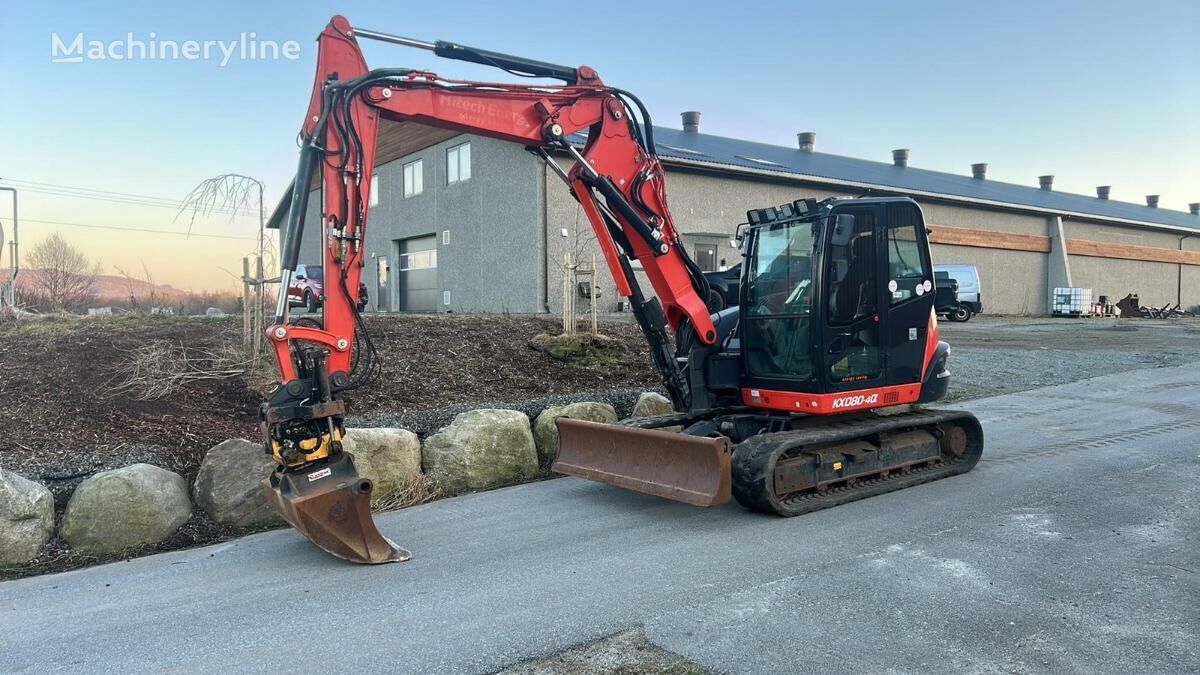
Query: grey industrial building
point(463, 223)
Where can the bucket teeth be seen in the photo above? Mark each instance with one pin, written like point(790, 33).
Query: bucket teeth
point(330, 505)
point(676, 466)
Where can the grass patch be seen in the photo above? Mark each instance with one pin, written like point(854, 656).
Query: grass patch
point(419, 490)
point(582, 348)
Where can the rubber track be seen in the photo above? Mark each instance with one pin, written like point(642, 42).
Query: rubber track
point(754, 460)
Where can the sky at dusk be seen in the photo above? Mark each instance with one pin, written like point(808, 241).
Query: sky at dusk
point(1092, 92)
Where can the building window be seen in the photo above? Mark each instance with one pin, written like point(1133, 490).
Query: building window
point(445, 237)
point(458, 163)
point(374, 190)
point(418, 260)
point(414, 178)
point(706, 257)
point(445, 297)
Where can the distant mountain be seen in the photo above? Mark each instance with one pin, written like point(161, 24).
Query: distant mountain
point(110, 287)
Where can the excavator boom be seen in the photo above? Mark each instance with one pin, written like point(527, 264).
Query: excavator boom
point(617, 180)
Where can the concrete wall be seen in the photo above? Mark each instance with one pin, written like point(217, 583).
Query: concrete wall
point(1155, 283)
point(493, 261)
point(1012, 282)
point(1191, 276)
point(980, 219)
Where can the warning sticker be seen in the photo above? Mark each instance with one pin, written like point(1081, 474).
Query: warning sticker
point(928, 285)
point(892, 285)
point(920, 289)
point(319, 474)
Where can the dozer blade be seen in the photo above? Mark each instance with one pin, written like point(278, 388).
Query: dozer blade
point(331, 506)
point(676, 466)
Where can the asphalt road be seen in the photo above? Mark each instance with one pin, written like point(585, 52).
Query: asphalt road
point(1073, 547)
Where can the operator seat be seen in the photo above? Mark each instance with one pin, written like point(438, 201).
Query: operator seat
point(857, 289)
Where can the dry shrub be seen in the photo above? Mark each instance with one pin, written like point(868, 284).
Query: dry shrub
point(419, 490)
point(158, 368)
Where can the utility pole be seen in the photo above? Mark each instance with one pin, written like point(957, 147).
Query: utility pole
point(258, 275)
point(14, 250)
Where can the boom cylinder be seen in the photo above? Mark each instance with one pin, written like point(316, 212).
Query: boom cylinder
point(295, 227)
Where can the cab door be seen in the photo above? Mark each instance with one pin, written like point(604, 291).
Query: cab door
point(909, 291)
point(852, 335)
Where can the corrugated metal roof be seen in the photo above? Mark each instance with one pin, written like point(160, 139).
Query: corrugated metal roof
point(739, 155)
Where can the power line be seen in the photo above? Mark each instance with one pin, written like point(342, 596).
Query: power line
point(127, 198)
point(73, 187)
point(129, 202)
point(136, 229)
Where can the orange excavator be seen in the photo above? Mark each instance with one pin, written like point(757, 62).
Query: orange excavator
point(779, 398)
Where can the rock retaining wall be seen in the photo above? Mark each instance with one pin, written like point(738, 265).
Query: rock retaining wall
point(125, 509)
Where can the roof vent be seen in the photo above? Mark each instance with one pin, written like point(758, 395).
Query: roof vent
point(691, 121)
point(1152, 201)
point(808, 140)
point(1103, 190)
point(1194, 207)
point(979, 170)
point(900, 157)
point(1046, 182)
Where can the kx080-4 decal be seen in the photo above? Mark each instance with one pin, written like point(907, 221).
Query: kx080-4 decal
point(855, 401)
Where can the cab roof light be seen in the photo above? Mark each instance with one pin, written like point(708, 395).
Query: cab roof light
point(761, 216)
point(805, 207)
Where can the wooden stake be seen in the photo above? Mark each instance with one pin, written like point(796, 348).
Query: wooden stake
point(259, 282)
point(246, 303)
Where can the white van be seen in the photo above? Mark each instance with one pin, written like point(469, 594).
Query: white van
point(967, 276)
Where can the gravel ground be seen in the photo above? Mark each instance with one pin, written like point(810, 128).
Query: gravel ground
point(627, 653)
point(1000, 355)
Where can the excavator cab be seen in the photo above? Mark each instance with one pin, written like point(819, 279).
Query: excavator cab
point(837, 297)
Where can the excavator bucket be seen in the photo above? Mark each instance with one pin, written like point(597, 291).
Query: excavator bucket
point(683, 468)
point(330, 504)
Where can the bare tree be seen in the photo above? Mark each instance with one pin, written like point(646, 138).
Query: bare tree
point(137, 287)
point(235, 192)
point(65, 279)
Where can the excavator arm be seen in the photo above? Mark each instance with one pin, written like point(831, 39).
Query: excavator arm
point(616, 178)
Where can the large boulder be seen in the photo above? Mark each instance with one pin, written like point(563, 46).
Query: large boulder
point(228, 485)
point(123, 508)
point(391, 458)
point(545, 432)
point(481, 449)
point(651, 404)
point(26, 518)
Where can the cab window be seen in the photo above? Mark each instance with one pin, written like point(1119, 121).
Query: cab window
point(908, 269)
point(777, 337)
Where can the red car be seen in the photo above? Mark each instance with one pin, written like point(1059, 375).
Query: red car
point(307, 289)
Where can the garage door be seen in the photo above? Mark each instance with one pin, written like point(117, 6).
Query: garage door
point(418, 282)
